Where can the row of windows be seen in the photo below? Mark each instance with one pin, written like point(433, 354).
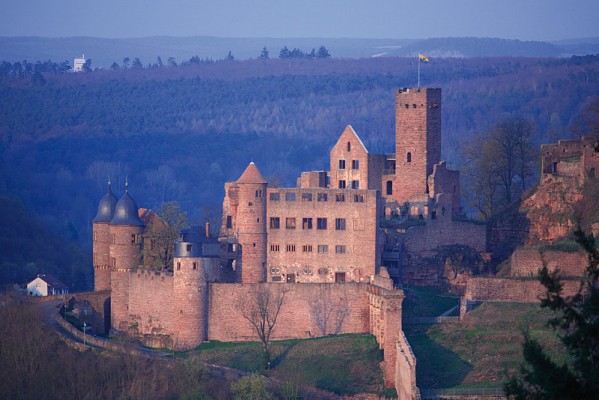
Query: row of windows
point(355, 164)
point(352, 184)
point(308, 248)
point(339, 197)
point(321, 223)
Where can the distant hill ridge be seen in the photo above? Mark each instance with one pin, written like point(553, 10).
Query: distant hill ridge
point(104, 51)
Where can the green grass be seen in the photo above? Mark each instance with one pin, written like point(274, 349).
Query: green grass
point(426, 302)
point(483, 349)
point(344, 364)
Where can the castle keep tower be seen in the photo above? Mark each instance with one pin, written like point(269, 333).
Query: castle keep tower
point(101, 240)
point(251, 224)
point(190, 291)
point(417, 140)
point(125, 251)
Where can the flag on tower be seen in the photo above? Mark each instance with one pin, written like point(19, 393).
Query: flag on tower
point(423, 58)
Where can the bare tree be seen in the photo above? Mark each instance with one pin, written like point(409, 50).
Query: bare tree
point(160, 235)
point(330, 308)
point(261, 307)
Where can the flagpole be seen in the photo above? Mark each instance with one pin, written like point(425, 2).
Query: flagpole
point(418, 69)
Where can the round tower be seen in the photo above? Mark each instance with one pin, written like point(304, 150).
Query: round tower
point(101, 240)
point(125, 252)
point(191, 293)
point(251, 224)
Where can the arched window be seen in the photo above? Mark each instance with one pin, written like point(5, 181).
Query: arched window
point(389, 187)
point(348, 146)
point(409, 157)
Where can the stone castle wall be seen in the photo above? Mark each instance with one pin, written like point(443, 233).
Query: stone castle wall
point(528, 261)
point(512, 290)
point(445, 232)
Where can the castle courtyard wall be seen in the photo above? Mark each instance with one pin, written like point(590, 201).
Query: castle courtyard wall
point(512, 290)
point(529, 261)
point(445, 232)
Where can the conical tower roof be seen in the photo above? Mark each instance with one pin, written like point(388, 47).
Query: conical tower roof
point(251, 175)
point(106, 207)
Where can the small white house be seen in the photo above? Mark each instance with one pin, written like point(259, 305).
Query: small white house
point(46, 285)
point(78, 64)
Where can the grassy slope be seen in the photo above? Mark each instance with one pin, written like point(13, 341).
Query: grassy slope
point(483, 349)
point(344, 364)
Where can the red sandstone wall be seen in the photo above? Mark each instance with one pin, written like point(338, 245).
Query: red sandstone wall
point(101, 254)
point(444, 232)
point(297, 318)
point(190, 302)
point(251, 231)
point(418, 132)
point(528, 262)
point(511, 290)
point(362, 252)
point(151, 303)
point(405, 371)
point(357, 152)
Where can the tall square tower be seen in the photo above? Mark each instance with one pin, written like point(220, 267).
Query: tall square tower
point(417, 140)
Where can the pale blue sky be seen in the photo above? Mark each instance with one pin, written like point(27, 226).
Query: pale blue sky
point(510, 19)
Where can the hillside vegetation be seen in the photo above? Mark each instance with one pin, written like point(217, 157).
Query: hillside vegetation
point(178, 133)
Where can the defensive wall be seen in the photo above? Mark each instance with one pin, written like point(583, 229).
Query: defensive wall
point(528, 261)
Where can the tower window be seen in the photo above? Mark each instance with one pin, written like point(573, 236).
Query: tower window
point(275, 223)
point(389, 187)
point(355, 164)
point(258, 194)
point(229, 222)
point(409, 157)
point(189, 248)
point(348, 146)
point(355, 184)
point(341, 164)
point(195, 265)
point(342, 184)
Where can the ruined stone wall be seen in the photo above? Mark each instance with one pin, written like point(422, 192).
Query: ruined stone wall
point(512, 290)
point(405, 370)
point(302, 249)
point(418, 139)
point(528, 261)
point(445, 181)
point(299, 314)
point(312, 179)
point(445, 232)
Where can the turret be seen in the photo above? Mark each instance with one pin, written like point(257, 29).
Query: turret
point(126, 230)
point(251, 224)
point(101, 240)
point(190, 291)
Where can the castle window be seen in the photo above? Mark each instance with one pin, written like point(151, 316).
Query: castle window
point(178, 266)
point(275, 196)
point(341, 184)
point(113, 238)
point(406, 105)
point(290, 223)
point(258, 194)
point(389, 187)
point(289, 196)
point(323, 248)
point(307, 223)
point(290, 248)
point(358, 198)
point(340, 224)
point(290, 278)
point(355, 164)
point(341, 164)
point(321, 223)
point(276, 278)
point(188, 248)
point(348, 146)
point(307, 248)
point(433, 215)
point(339, 277)
point(409, 157)
point(355, 184)
point(554, 168)
point(340, 197)
point(322, 197)
point(250, 203)
point(229, 222)
point(133, 238)
point(340, 249)
point(275, 222)
point(275, 248)
point(231, 247)
point(414, 106)
point(306, 196)
point(195, 265)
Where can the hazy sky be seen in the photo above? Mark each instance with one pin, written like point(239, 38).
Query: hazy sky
point(512, 19)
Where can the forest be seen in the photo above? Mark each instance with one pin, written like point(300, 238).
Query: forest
point(177, 133)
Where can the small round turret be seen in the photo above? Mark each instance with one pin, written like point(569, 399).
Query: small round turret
point(126, 211)
point(101, 240)
point(106, 207)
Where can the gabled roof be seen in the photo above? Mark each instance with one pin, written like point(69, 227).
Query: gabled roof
point(52, 281)
point(251, 175)
point(350, 131)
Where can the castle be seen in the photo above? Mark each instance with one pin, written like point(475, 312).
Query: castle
point(324, 241)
